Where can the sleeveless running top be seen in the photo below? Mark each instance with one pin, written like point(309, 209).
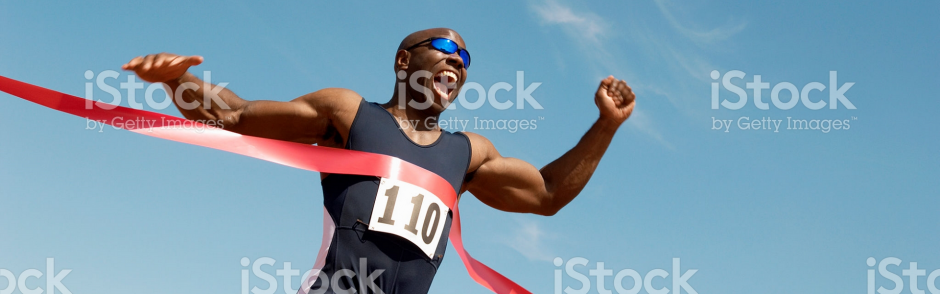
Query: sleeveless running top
point(378, 262)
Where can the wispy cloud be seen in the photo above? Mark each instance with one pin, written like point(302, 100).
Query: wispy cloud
point(531, 241)
point(591, 34)
point(684, 58)
point(645, 124)
point(673, 54)
point(708, 36)
point(588, 30)
point(583, 25)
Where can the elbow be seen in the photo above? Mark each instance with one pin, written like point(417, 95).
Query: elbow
point(227, 119)
point(547, 212)
point(548, 208)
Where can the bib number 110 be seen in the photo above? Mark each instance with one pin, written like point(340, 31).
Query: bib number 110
point(410, 212)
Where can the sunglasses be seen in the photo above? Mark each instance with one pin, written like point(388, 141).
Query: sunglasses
point(447, 46)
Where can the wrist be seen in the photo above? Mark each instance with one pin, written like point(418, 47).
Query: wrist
point(608, 124)
point(185, 77)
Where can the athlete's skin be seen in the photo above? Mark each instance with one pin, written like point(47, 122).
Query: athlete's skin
point(324, 118)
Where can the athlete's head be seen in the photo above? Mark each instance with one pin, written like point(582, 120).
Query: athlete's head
point(423, 57)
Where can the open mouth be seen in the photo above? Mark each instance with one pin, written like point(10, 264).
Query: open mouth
point(444, 83)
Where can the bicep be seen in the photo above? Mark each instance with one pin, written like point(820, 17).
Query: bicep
point(505, 183)
point(306, 119)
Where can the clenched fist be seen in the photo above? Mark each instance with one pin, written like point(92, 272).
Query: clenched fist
point(159, 68)
point(614, 99)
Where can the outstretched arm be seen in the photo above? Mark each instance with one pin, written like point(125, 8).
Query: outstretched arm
point(317, 117)
point(510, 184)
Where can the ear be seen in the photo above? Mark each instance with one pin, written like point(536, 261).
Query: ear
point(402, 59)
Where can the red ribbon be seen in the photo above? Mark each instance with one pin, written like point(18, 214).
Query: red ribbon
point(302, 156)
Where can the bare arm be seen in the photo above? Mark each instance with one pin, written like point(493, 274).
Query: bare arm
point(312, 118)
point(514, 185)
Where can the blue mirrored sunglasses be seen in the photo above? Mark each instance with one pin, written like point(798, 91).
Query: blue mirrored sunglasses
point(447, 46)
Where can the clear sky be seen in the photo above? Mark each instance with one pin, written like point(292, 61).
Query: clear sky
point(754, 211)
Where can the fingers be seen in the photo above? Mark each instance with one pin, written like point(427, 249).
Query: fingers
point(605, 83)
point(186, 60)
point(134, 63)
point(621, 93)
point(148, 63)
point(627, 92)
point(162, 67)
point(194, 60)
point(615, 92)
point(162, 60)
point(603, 90)
point(177, 60)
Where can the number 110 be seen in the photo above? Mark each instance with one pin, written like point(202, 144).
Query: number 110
point(433, 209)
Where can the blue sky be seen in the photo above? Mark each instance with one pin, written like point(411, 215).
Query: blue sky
point(754, 211)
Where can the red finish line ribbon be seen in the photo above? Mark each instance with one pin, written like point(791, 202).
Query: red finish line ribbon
point(302, 156)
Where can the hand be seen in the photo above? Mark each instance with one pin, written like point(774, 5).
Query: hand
point(163, 67)
point(614, 99)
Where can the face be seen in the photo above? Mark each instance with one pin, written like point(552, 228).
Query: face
point(441, 74)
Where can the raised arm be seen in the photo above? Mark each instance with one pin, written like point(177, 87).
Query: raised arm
point(320, 117)
point(510, 184)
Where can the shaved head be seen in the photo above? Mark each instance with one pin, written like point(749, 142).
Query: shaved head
point(422, 35)
point(433, 75)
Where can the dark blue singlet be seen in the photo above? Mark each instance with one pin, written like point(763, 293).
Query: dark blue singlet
point(349, 200)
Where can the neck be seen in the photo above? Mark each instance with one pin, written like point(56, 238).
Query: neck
point(418, 120)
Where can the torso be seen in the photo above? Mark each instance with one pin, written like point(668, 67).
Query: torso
point(349, 201)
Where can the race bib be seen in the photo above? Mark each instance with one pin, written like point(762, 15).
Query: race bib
point(410, 212)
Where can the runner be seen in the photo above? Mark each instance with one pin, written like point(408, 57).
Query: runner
point(385, 236)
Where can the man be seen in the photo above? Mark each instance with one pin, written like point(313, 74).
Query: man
point(370, 245)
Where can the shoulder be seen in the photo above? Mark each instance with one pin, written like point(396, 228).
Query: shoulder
point(337, 104)
point(333, 99)
point(481, 151)
point(334, 110)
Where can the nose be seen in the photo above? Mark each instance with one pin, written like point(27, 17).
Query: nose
point(454, 60)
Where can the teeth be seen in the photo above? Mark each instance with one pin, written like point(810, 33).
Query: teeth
point(452, 77)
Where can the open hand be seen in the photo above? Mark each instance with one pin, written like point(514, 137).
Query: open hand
point(159, 68)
